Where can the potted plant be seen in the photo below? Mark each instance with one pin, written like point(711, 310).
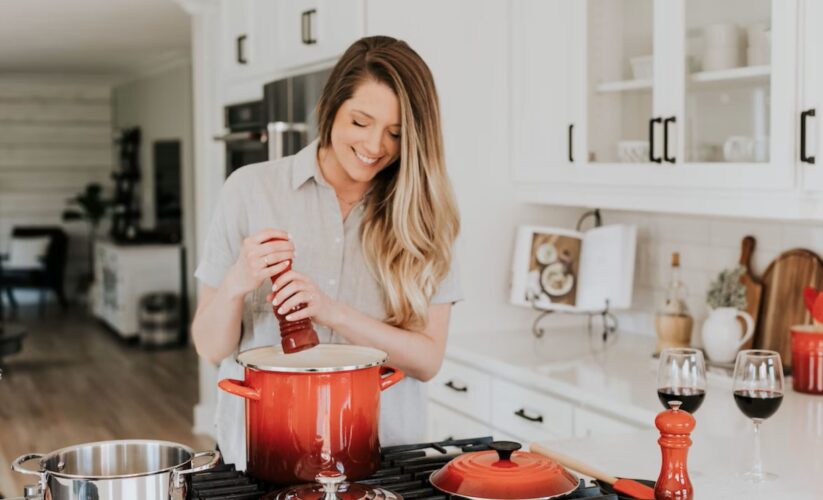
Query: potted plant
point(721, 332)
point(90, 206)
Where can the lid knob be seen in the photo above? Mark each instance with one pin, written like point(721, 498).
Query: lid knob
point(330, 480)
point(505, 449)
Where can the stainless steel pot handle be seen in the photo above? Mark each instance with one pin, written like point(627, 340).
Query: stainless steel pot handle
point(179, 476)
point(17, 464)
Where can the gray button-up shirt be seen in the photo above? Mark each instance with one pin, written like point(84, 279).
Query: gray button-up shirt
point(291, 194)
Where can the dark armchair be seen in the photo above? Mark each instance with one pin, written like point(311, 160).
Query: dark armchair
point(49, 277)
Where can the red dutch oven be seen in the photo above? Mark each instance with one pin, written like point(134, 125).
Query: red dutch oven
point(504, 473)
point(312, 411)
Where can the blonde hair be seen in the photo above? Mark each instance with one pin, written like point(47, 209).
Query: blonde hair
point(411, 219)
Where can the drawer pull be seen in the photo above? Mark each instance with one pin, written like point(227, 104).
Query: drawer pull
point(522, 414)
point(459, 388)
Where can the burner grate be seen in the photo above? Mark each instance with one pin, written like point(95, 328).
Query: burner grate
point(404, 469)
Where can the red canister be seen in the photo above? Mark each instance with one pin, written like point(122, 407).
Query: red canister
point(807, 359)
point(311, 411)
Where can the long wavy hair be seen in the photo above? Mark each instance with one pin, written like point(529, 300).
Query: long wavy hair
point(410, 219)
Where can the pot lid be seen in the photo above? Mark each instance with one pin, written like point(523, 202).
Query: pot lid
point(332, 485)
point(504, 473)
point(320, 358)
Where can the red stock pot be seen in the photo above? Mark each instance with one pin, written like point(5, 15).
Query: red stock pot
point(311, 411)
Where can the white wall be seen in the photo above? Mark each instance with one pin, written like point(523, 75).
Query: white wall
point(161, 105)
point(55, 137)
point(707, 245)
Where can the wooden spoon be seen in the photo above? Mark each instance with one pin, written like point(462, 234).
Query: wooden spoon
point(624, 486)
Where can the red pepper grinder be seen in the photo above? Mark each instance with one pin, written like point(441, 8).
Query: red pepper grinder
point(295, 336)
point(675, 426)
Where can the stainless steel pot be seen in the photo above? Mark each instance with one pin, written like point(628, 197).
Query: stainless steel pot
point(133, 469)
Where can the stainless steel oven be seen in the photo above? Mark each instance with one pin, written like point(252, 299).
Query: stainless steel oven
point(245, 136)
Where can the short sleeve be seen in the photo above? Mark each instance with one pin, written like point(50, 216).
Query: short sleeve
point(224, 238)
point(449, 290)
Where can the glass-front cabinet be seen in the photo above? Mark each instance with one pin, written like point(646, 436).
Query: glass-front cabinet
point(620, 84)
point(671, 94)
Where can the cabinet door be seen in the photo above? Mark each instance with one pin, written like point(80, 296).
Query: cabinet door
point(236, 37)
point(543, 89)
point(444, 423)
point(733, 84)
point(621, 61)
point(313, 31)
point(810, 133)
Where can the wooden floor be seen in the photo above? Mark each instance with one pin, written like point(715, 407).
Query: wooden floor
point(75, 382)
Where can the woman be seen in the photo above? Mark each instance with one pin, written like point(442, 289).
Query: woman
point(368, 216)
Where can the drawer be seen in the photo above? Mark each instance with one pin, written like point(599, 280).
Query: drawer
point(530, 415)
point(444, 423)
point(464, 389)
point(588, 423)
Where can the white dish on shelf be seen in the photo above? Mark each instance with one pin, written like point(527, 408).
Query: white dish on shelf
point(633, 151)
point(641, 67)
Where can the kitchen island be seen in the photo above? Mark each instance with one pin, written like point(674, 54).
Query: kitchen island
point(619, 380)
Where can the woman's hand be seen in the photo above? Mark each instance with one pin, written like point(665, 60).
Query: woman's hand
point(292, 289)
point(263, 255)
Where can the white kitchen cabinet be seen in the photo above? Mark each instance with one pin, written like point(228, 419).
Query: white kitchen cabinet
point(810, 100)
point(313, 31)
point(528, 414)
point(463, 388)
point(237, 50)
point(660, 122)
point(444, 423)
point(588, 423)
point(542, 107)
point(125, 273)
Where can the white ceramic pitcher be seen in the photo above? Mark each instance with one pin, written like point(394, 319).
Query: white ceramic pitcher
point(721, 333)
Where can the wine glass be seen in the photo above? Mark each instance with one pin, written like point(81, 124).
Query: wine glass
point(681, 376)
point(758, 392)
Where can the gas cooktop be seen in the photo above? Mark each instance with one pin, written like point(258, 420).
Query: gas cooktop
point(404, 469)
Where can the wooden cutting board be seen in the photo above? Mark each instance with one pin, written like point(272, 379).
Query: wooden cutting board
point(754, 288)
point(783, 305)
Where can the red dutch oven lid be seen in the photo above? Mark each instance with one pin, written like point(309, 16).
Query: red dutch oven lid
point(504, 473)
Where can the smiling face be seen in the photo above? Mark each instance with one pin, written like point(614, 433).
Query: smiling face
point(365, 136)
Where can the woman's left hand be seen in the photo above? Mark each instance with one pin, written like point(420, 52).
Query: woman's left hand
point(292, 289)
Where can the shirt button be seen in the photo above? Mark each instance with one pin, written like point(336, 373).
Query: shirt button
point(332, 282)
point(338, 240)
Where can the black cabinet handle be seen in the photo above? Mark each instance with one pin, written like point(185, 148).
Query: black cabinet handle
point(571, 143)
point(651, 140)
point(241, 49)
point(305, 27)
point(671, 119)
point(459, 388)
point(803, 116)
point(522, 414)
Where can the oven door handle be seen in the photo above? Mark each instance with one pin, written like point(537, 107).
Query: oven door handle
point(241, 136)
point(277, 132)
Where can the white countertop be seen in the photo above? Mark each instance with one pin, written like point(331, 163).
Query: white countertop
point(621, 380)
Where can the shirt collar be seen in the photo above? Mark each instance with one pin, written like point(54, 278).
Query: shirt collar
point(305, 166)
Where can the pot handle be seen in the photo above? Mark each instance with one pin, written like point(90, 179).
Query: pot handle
point(395, 376)
point(236, 387)
point(17, 464)
point(178, 476)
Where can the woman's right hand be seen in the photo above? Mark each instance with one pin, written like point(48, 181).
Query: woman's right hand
point(263, 255)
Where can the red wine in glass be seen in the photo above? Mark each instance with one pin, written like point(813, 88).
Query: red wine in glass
point(691, 397)
point(760, 404)
point(758, 392)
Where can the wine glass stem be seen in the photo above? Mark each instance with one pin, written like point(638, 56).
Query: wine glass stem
point(757, 466)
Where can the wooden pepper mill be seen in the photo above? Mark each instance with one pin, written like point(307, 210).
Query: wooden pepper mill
point(295, 336)
point(675, 426)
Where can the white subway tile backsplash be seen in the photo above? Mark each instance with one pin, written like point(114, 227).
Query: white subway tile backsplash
point(707, 245)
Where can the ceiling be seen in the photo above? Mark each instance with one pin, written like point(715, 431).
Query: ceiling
point(116, 38)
